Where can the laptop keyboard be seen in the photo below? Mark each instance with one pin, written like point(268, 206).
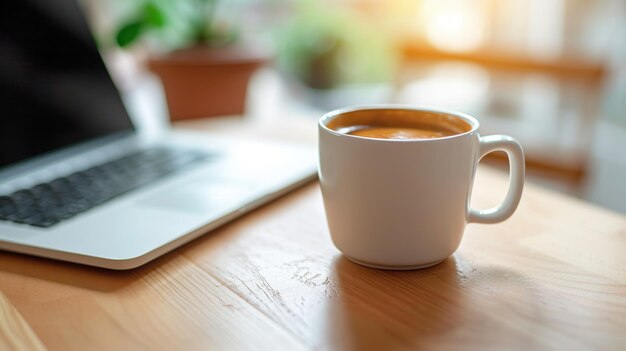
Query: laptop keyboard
point(46, 204)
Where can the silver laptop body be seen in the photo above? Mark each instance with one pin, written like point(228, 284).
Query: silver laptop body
point(145, 222)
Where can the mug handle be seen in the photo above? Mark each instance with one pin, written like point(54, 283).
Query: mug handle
point(516, 178)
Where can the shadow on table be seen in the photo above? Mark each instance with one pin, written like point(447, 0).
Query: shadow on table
point(66, 273)
point(378, 309)
point(442, 307)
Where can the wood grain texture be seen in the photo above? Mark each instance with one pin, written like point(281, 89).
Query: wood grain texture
point(552, 277)
point(167, 305)
point(15, 333)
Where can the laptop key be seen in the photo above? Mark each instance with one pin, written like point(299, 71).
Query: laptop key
point(7, 206)
point(47, 204)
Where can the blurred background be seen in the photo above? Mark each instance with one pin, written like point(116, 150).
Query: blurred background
point(551, 73)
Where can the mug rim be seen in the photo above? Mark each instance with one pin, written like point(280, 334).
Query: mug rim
point(327, 117)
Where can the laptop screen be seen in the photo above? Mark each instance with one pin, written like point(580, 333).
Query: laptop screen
point(54, 88)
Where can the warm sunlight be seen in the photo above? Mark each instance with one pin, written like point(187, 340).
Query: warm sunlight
point(454, 25)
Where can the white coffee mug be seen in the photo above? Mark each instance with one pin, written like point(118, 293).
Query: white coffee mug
point(404, 204)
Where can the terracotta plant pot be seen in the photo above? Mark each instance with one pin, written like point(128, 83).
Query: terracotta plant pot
point(203, 81)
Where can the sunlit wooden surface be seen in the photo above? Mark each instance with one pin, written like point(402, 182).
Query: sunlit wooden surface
point(15, 333)
point(553, 277)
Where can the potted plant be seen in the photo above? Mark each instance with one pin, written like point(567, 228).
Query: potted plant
point(333, 57)
point(204, 67)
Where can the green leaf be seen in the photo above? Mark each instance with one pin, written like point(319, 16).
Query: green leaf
point(154, 16)
point(128, 33)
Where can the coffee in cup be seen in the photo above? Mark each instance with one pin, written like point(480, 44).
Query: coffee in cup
point(398, 124)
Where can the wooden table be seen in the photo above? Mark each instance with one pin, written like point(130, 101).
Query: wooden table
point(552, 277)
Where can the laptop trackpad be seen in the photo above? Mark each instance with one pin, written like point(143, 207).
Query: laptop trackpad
point(199, 197)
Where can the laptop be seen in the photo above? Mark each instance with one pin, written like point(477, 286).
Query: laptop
point(79, 183)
